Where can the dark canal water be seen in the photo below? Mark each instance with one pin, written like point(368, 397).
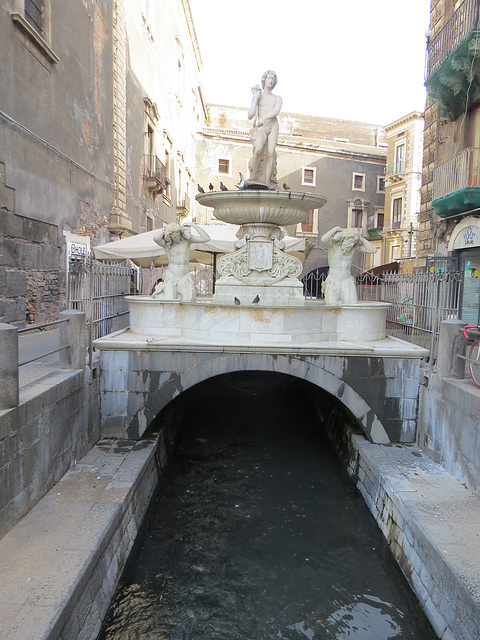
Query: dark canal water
point(257, 533)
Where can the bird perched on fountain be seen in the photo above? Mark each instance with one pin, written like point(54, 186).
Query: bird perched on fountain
point(200, 188)
point(236, 301)
point(223, 187)
point(242, 184)
point(211, 187)
point(256, 299)
point(286, 186)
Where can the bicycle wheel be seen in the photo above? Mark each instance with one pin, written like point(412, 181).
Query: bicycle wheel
point(474, 362)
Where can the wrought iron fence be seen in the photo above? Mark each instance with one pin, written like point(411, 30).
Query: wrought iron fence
point(420, 302)
point(99, 290)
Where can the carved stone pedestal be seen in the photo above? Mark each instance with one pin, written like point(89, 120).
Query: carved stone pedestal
point(259, 272)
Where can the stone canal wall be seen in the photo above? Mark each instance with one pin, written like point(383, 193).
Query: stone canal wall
point(431, 522)
point(48, 424)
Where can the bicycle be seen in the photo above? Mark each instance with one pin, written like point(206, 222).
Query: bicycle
point(474, 353)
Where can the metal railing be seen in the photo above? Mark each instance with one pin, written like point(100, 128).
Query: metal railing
point(395, 168)
point(420, 302)
point(154, 169)
point(462, 22)
point(38, 327)
point(460, 172)
point(99, 289)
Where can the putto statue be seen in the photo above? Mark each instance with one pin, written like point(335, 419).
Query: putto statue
point(265, 108)
point(339, 287)
point(178, 282)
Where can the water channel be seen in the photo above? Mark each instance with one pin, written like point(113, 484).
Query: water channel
point(258, 533)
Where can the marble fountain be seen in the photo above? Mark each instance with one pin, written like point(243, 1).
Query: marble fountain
point(258, 299)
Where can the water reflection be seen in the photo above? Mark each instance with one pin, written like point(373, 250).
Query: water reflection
point(259, 534)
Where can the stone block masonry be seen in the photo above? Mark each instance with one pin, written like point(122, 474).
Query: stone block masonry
point(61, 563)
point(432, 525)
point(31, 281)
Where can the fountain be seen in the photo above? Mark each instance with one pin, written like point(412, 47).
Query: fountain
point(258, 297)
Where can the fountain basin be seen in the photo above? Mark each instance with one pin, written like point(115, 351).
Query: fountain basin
point(207, 322)
point(282, 208)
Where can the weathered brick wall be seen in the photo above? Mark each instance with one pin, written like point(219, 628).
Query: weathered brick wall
point(31, 279)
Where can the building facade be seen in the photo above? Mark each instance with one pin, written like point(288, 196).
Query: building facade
point(341, 160)
point(395, 236)
point(100, 102)
point(450, 214)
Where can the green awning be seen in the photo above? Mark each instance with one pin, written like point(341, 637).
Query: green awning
point(455, 84)
point(457, 202)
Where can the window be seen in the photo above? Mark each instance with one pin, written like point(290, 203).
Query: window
point(397, 207)
point(358, 182)
point(380, 184)
point(35, 15)
point(380, 220)
point(309, 176)
point(307, 225)
point(32, 18)
point(400, 158)
point(357, 218)
point(224, 166)
point(310, 225)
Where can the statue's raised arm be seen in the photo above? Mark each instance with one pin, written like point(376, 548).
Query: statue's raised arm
point(177, 281)
point(339, 287)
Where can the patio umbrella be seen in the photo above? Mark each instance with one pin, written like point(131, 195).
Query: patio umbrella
point(144, 252)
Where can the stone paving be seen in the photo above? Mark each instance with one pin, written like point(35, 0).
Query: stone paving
point(60, 563)
point(432, 524)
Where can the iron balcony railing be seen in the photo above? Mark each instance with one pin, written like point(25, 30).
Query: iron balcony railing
point(396, 168)
point(154, 169)
point(462, 22)
point(460, 172)
point(183, 205)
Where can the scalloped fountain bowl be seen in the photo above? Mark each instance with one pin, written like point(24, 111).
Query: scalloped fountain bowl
point(283, 208)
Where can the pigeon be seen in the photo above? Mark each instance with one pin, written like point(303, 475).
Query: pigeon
point(223, 187)
point(236, 301)
point(242, 184)
point(211, 187)
point(286, 186)
point(200, 189)
point(256, 299)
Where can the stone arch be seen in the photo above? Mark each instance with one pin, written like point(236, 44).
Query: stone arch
point(324, 372)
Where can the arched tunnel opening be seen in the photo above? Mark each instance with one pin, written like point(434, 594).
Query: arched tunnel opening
point(256, 530)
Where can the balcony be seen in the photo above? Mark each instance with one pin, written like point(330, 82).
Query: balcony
point(183, 207)
point(453, 63)
point(154, 174)
point(456, 184)
point(395, 172)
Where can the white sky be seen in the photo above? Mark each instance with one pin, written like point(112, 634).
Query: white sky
point(354, 59)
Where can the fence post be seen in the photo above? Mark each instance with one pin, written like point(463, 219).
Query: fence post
point(451, 345)
point(9, 392)
point(73, 334)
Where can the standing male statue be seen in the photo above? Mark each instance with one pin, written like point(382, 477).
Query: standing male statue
point(178, 282)
point(266, 107)
point(339, 287)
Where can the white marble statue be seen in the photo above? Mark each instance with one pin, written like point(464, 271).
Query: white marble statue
point(177, 281)
point(339, 287)
point(265, 107)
